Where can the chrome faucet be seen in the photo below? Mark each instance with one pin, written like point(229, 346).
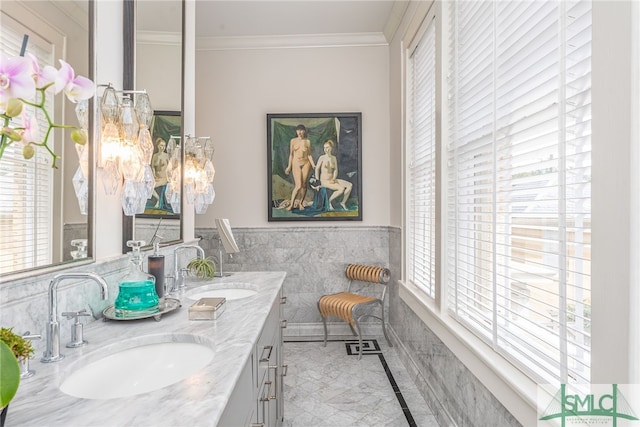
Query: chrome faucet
point(178, 278)
point(52, 353)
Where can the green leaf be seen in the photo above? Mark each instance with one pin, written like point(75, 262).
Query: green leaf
point(202, 268)
point(9, 375)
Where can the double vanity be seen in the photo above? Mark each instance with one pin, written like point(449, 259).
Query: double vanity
point(225, 372)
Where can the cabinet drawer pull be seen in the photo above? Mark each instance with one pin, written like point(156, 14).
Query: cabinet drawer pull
point(268, 349)
point(283, 323)
point(267, 395)
point(283, 300)
point(257, 425)
point(285, 369)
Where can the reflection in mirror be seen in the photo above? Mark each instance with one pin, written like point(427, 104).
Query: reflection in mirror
point(41, 222)
point(158, 70)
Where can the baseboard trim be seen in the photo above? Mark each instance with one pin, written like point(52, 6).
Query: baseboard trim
point(335, 330)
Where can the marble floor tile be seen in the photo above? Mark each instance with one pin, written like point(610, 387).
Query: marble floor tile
point(329, 387)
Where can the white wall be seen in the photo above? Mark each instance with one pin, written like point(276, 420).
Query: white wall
point(158, 71)
point(237, 88)
point(108, 210)
point(189, 116)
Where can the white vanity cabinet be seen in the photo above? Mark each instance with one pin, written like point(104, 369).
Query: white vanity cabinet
point(226, 392)
point(257, 399)
point(240, 409)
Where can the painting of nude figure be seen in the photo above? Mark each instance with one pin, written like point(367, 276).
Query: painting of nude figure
point(314, 165)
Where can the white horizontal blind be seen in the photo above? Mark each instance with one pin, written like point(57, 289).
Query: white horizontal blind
point(519, 207)
point(421, 160)
point(26, 185)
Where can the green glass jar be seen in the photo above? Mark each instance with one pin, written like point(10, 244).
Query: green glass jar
point(137, 290)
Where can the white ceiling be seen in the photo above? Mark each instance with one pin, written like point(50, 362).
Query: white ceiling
point(246, 23)
point(239, 18)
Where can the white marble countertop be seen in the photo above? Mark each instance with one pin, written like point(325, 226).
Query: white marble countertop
point(198, 400)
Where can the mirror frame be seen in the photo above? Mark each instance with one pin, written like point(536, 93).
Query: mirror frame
point(128, 83)
point(91, 243)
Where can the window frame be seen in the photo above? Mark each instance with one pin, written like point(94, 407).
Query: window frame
point(432, 272)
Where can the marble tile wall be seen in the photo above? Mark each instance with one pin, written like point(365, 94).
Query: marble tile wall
point(169, 230)
point(314, 259)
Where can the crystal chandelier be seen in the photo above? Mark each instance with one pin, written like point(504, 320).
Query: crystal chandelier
point(199, 172)
point(126, 147)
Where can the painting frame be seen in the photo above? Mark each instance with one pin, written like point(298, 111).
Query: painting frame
point(334, 143)
point(163, 126)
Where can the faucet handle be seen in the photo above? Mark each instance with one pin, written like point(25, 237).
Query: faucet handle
point(77, 339)
point(76, 314)
point(25, 372)
point(31, 337)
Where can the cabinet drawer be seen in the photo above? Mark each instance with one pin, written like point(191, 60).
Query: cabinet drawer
point(265, 349)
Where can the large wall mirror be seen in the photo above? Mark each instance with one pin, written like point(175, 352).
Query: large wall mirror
point(42, 226)
point(155, 36)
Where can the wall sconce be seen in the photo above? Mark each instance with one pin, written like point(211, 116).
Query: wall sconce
point(199, 172)
point(126, 147)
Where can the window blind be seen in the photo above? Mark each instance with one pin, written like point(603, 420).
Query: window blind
point(421, 161)
point(25, 198)
point(519, 192)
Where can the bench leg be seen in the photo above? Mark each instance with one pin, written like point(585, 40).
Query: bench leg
point(324, 323)
point(384, 328)
point(353, 331)
point(357, 328)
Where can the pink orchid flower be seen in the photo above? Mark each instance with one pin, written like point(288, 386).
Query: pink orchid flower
point(31, 130)
point(45, 76)
point(16, 79)
point(77, 88)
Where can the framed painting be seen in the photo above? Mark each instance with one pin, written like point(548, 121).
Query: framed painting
point(314, 167)
point(164, 125)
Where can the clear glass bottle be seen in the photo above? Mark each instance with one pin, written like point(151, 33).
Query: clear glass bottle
point(81, 248)
point(137, 291)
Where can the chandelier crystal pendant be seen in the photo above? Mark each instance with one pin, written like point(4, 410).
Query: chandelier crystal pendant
point(199, 172)
point(174, 173)
point(80, 182)
point(126, 147)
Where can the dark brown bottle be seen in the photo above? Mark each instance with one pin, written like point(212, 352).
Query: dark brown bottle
point(156, 269)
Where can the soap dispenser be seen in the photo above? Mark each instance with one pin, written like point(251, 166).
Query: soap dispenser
point(156, 268)
point(137, 290)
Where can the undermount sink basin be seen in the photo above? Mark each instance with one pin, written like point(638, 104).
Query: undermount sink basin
point(137, 370)
point(230, 291)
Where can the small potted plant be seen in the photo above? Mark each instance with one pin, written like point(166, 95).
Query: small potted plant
point(13, 348)
point(202, 268)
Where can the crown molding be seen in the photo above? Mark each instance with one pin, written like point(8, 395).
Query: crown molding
point(395, 19)
point(77, 11)
point(291, 41)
